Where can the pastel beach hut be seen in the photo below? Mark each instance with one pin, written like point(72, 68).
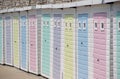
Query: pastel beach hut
point(56, 58)
point(101, 41)
point(33, 53)
point(8, 39)
point(46, 43)
point(16, 54)
point(24, 41)
point(84, 43)
point(69, 44)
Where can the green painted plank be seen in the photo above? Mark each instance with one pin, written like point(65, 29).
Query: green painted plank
point(118, 44)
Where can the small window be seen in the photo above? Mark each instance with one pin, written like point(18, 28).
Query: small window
point(32, 23)
point(80, 26)
point(95, 25)
point(119, 25)
point(55, 24)
point(70, 24)
point(48, 23)
point(43, 22)
point(102, 26)
point(66, 24)
point(84, 25)
point(59, 23)
point(24, 23)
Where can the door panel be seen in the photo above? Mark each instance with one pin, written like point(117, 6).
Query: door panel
point(23, 41)
point(46, 44)
point(16, 39)
point(68, 71)
point(83, 46)
point(100, 28)
point(118, 43)
point(8, 41)
point(57, 46)
point(32, 44)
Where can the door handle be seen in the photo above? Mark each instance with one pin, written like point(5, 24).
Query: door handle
point(56, 48)
point(81, 42)
point(98, 60)
point(67, 45)
point(45, 40)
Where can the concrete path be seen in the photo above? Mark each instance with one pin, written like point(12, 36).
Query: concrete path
point(7, 72)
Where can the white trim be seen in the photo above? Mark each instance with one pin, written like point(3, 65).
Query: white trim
point(107, 1)
point(39, 38)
